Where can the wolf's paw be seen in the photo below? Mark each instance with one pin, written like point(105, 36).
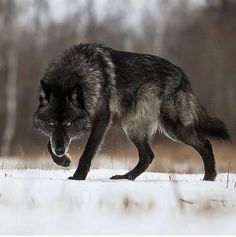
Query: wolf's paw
point(71, 177)
point(210, 177)
point(129, 177)
point(77, 178)
point(63, 161)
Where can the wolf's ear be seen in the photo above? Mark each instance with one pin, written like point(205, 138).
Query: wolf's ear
point(76, 97)
point(44, 94)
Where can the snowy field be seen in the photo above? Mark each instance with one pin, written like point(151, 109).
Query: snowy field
point(34, 201)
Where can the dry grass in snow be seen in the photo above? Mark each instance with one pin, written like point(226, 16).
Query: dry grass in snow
point(34, 201)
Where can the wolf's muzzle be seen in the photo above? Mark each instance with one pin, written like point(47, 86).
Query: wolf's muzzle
point(59, 143)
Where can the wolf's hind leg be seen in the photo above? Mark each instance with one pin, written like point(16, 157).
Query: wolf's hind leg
point(206, 152)
point(190, 136)
point(145, 158)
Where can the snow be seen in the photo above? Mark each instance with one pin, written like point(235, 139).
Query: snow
point(34, 201)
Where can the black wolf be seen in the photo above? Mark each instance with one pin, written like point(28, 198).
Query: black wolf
point(88, 83)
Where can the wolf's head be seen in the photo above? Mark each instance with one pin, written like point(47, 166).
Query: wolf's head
point(61, 115)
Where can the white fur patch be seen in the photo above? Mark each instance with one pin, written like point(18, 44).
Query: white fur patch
point(142, 121)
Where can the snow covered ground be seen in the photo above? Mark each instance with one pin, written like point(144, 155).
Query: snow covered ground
point(34, 201)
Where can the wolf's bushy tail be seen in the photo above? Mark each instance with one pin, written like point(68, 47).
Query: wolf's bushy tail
point(212, 127)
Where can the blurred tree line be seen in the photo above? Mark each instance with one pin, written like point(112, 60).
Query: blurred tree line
point(201, 40)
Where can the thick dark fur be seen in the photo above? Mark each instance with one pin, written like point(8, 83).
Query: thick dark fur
point(88, 83)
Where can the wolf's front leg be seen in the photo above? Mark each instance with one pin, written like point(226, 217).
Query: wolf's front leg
point(62, 161)
point(98, 129)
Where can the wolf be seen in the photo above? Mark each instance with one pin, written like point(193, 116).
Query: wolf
point(85, 86)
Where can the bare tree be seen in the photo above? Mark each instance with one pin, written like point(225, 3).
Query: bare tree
point(11, 76)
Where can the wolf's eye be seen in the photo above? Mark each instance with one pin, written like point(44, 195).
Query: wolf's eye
point(51, 123)
point(68, 124)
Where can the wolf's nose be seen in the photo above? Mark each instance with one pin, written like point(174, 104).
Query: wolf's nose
point(60, 151)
